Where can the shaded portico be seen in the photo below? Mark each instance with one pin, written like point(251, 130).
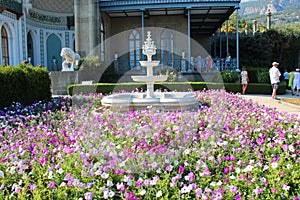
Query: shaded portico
point(201, 18)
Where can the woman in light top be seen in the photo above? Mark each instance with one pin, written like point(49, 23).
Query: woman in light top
point(244, 80)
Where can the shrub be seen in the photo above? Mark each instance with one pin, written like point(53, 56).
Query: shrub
point(263, 76)
point(24, 84)
point(106, 88)
point(89, 64)
point(230, 77)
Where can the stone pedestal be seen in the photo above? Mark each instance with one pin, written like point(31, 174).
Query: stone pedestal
point(61, 80)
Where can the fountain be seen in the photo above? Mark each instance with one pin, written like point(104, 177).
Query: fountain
point(160, 100)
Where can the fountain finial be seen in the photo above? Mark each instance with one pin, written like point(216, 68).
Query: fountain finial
point(149, 49)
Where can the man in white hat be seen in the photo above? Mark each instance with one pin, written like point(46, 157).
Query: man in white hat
point(296, 82)
point(274, 77)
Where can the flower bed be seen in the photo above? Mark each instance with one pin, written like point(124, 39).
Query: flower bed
point(231, 149)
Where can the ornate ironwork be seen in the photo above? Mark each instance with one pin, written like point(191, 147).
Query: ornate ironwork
point(44, 18)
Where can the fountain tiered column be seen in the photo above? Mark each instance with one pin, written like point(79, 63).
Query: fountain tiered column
point(163, 101)
point(149, 49)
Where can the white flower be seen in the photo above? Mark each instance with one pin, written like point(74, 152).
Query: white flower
point(291, 148)
point(232, 177)
point(238, 170)
point(62, 184)
point(285, 187)
point(50, 175)
point(105, 175)
point(106, 194)
point(289, 166)
point(274, 165)
point(159, 193)
point(213, 184)
point(186, 189)
point(12, 170)
point(143, 192)
point(266, 167)
point(109, 183)
point(1, 174)
point(111, 193)
point(60, 171)
point(187, 151)
point(248, 168)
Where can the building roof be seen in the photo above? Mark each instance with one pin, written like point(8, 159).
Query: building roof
point(206, 15)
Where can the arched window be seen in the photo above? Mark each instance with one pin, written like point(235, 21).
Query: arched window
point(167, 41)
point(30, 53)
point(5, 52)
point(134, 49)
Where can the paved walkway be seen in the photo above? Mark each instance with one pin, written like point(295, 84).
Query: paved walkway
point(280, 105)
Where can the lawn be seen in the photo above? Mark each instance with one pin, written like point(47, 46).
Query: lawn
point(231, 148)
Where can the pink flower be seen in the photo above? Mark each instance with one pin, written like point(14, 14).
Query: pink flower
point(285, 147)
point(226, 170)
point(257, 191)
point(206, 172)
point(233, 189)
point(191, 177)
point(52, 185)
point(181, 169)
point(238, 197)
point(32, 186)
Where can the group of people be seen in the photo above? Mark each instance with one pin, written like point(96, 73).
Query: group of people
point(292, 79)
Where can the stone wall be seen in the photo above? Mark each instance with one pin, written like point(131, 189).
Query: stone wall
point(61, 80)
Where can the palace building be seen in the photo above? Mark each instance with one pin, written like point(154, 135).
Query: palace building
point(115, 30)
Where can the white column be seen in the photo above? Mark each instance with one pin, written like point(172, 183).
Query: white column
point(189, 40)
point(77, 24)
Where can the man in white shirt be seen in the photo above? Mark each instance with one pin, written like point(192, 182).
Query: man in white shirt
point(296, 82)
point(274, 77)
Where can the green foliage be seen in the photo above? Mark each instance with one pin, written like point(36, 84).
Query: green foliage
point(230, 77)
point(262, 48)
point(89, 64)
point(107, 88)
point(171, 73)
point(263, 76)
point(24, 84)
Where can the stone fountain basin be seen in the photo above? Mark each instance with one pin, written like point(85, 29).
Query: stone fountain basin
point(147, 79)
point(161, 101)
point(152, 63)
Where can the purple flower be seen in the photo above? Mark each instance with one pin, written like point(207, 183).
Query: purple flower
point(206, 172)
point(238, 197)
point(181, 169)
point(198, 192)
point(257, 191)
point(226, 170)
point(32, 186)
point(52, 185)
point(88, 196)
point(285, 147)
point(191, 177)
point(233, 189)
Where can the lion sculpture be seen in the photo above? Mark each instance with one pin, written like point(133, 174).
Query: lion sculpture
point(70, 57)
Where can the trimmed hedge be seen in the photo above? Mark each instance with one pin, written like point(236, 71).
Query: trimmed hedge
point(23, 84)
point(107, 88)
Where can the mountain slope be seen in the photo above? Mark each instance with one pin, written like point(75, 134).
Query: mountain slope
point(283, 11)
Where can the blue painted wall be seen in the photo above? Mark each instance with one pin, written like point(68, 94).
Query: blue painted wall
point(53, 49)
